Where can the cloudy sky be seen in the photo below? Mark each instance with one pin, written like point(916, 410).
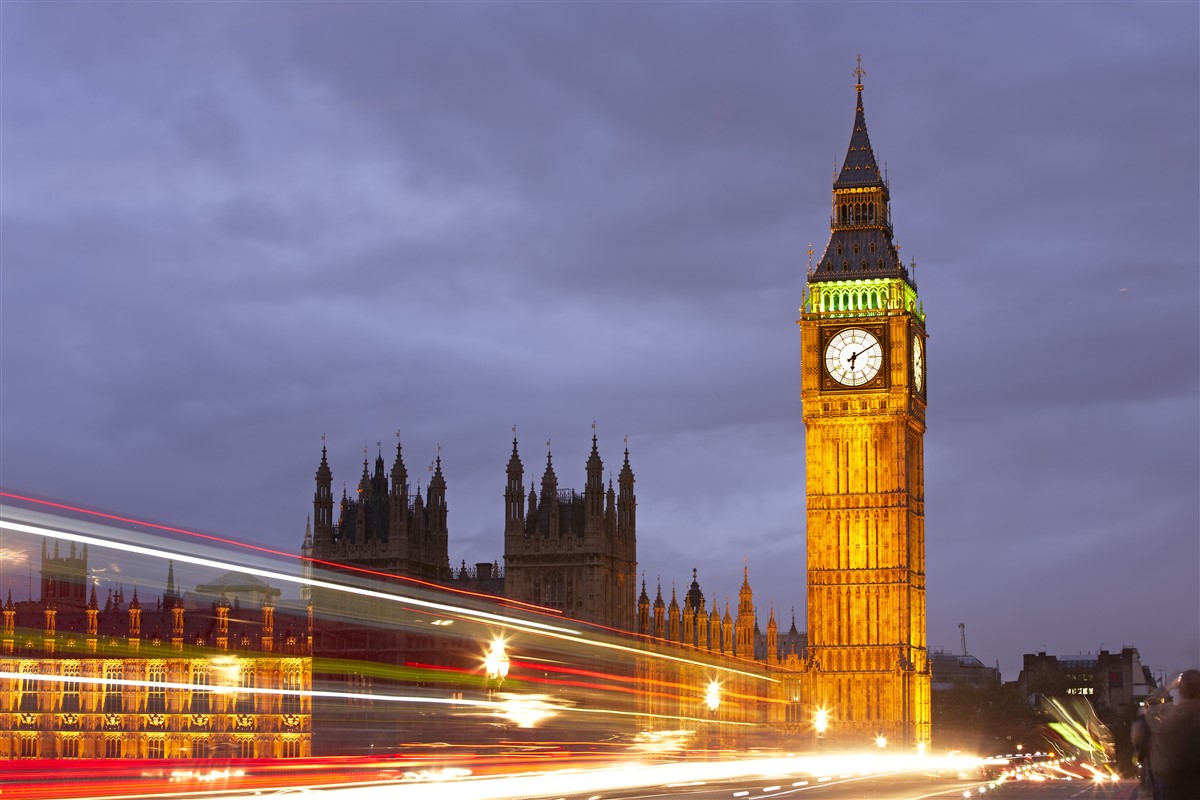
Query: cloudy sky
point(230, 228)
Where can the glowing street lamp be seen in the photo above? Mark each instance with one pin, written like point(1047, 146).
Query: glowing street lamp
point(881, 741)
point(712, 696)
point(821, 721)
point(495, 662)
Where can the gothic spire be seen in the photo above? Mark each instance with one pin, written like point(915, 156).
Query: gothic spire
point(861, 245)
point(860, 167)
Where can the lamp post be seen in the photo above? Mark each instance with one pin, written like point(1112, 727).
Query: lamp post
point(821, 723)
point(712, 701)
point(495, 665)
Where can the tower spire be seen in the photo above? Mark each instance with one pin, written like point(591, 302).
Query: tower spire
point(861, 243)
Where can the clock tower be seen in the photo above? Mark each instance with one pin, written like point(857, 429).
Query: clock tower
point(862, 333)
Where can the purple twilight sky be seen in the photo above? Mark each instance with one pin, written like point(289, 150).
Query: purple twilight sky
point(230, 228)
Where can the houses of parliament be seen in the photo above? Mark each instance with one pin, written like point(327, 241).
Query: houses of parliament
point(862, 652)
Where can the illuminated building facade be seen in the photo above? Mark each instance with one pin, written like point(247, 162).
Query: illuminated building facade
point(173, 680)
point(722, 680)
point(863, 388)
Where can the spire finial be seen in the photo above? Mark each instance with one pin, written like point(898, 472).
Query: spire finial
point(858, 74)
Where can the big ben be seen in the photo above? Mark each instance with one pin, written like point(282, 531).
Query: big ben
point(862, 332)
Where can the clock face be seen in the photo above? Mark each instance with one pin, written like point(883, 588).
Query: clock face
point(853, 357)
point(918, 359)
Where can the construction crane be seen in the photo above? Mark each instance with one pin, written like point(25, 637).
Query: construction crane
point(962, 635)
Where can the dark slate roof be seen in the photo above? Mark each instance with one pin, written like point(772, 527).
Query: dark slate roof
point(883, 263)
point(860, 167)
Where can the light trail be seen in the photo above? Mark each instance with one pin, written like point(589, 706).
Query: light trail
point(271, 551)
point(505, 621)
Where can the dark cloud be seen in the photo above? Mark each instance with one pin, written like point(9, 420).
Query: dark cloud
point(230, 230)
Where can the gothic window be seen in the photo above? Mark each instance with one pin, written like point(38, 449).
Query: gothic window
point(881, 263)
point(872, 247)
point(28, 746)
point(864, 263)
point(156, 698)
point(874, 300)
point(68, 747)
point(112, 691)
point(845, 265)
point(155, 747)
point(70, 690)
point(855, 249)
point(291, 685)
point(112, 746)
point(554, 590)
point(199, 747)
point(201, 697)
point(29, 689)
point(839, 249)
point(245, 747)
point(290, 748)
point(245, 695)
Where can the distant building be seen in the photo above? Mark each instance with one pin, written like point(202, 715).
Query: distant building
point(953, 671)
point(572, 551)
point(1110, 681)
point(385, 526)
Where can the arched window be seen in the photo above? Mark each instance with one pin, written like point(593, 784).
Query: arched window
point(200, 694)
point(554, 590)
point(156, 696)
point(246, 688)
point(70, 696)
point(112, 690)
point(874, 300)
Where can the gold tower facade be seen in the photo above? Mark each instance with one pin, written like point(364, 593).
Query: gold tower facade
point(862, 331)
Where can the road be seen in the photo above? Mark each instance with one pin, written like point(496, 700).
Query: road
point(906, 787)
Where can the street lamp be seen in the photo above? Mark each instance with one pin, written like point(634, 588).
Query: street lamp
point(495, 662)
point(712, 696)
point(881, 741)
point(821, 723)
